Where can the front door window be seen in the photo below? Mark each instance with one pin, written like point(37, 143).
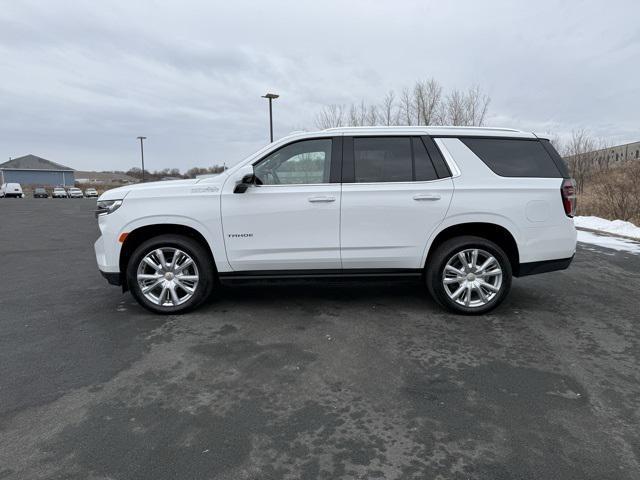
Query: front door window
point(305, 162)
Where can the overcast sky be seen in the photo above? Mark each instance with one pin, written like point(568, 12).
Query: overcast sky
point(80, 80)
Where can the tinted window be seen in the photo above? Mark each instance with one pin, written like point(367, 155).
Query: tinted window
point(436, 157)
point(422, 163)
point(559, 161)
point(382, 159)
point(297, 163)
point(514, 157)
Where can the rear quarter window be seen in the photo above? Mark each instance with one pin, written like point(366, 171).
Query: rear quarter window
point(509, 157)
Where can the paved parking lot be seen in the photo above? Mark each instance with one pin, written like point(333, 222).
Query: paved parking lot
point(309, 380)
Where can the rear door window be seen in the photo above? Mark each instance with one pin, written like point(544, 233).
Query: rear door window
point(382, 159)
point(509, 157)
point(423, 166)
point(391, 159)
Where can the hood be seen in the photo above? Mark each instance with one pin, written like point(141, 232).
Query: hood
point(162, 189)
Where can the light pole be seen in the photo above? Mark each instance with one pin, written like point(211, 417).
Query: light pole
point(271, 97)
point(142, 155)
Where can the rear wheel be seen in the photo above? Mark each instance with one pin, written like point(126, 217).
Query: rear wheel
point(469, 275)
point(170, 274)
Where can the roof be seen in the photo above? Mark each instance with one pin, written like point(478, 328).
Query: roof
point(434, 131)
point(33, 162)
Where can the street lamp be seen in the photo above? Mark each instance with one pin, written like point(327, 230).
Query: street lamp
point(271, 97)
point(142, 155)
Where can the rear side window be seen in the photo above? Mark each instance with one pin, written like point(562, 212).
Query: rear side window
point(382, 159)
point(392, 159)
point(509, 157)
point(422, 163)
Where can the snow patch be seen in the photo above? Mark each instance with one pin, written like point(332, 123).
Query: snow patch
point(614, 243)
point(618, 227)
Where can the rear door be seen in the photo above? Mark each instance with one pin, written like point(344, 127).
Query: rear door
point(396, 190)
point(292, 220)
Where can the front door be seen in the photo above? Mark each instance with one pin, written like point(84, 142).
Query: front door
point(393, 197)
point(292, 220)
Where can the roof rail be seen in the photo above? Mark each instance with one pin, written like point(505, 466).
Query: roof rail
point(405, 127)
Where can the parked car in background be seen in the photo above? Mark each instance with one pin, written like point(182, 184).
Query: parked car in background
point(461, 209)
point(59, 192)
point(75, 192)
point(13, 190)
point(40, 193)
point(91, 193)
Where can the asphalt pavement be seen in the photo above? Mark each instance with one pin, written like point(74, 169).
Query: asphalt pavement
point(309, 380)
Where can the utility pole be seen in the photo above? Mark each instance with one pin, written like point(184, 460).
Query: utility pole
point(271, 97)
point(142, 155)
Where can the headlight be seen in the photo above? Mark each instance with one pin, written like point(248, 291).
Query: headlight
point(107, 206)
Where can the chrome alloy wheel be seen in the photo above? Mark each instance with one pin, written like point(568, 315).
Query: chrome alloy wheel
point(472, 277)
point(167, 277)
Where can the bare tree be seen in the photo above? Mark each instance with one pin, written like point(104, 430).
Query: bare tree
point(427, 97)
point(616, 192)
point(466, 108)
point(580, 154)
point(423, 104)
point(406, 107)
point(455, 108)
point(477, 105)
point(330, 116)
point(388, 111)
point(357, 115)
point(372, 116)
point(556, 141)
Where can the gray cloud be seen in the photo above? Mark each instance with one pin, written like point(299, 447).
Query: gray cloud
point(80, 80)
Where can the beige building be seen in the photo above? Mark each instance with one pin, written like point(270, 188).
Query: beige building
point(619, 154)
point(608, 157)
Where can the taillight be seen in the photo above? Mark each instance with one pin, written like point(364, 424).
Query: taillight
point(568, 192)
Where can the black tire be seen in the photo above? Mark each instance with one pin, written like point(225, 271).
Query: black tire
point(201, 257)
point(438, 260)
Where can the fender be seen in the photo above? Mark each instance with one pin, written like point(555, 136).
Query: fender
point(215, 241)
point(479, 217)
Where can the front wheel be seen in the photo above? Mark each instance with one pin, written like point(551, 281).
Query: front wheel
point(469, 275)
point(170, 274)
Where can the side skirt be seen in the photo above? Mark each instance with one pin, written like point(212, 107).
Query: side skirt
point(366, 273)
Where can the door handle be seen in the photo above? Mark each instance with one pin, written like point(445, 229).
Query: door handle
point(322, 199)
point(426, 197)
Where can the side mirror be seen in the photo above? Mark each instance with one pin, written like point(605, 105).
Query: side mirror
point(245, 183)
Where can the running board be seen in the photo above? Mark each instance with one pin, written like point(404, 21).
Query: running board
point(319, 274)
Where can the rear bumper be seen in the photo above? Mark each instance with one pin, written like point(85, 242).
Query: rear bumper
point(114, 278)
point(533, 268)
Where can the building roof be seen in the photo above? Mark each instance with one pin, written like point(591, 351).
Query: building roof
point(33, 162)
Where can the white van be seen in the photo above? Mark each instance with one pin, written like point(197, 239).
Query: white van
point(11, 190)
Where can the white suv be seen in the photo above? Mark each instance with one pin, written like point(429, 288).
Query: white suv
point(465, 209)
